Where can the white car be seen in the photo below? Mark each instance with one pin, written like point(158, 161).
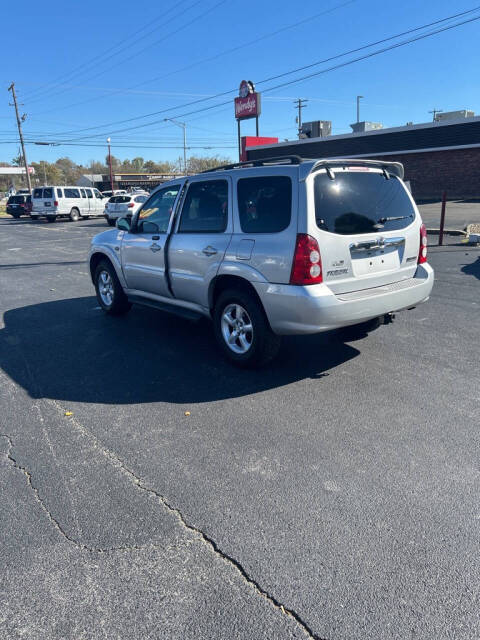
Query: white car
point(115, 192)
point(67, 202)
point(122, 206)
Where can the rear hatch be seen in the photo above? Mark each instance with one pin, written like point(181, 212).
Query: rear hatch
point(366, 224)
point(118, 205)
point(43, 199)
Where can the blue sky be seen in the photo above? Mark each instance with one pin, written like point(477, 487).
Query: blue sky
point(106, 62)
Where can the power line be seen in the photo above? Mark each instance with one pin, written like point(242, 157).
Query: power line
point(275, 77)
point(210, 59)
point(120, 44)
point(168, 35)
point(290, 82)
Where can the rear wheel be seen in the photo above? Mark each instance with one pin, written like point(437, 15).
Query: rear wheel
point(74, 215)
point(110, 294)
point(242, 330)
point(15, 215)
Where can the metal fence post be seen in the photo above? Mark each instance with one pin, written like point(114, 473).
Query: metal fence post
point(442, 218)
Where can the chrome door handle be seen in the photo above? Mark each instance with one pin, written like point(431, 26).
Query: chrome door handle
point(155, 247)
point(209, 251)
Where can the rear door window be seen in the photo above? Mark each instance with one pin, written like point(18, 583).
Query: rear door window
point(205, 209)
point(48, 192)
point(361, 202)
point(89, 193)
point(82, 191)
point(37, 193)
point(264, 204)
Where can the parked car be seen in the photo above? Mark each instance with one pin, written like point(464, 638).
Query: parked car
point(119, 206)
point(68, 202)
point(264, 249)
point(115, 192)
point(19, 205)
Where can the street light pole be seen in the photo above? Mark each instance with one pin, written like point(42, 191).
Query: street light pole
point(110, 165)
point(184, 127)
point(358, 107)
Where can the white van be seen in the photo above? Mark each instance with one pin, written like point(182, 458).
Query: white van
point(71, 202)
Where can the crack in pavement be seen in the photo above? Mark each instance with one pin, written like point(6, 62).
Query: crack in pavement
point(119, 464)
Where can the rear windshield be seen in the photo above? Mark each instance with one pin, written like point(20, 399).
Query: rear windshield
point(16, 200)
point(120, 199)
point(361, 202)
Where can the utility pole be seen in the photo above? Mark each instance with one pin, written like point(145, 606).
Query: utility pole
point(358, 107)
point(183, 125)
point(300, 104)
point(19, 124)
point(435, 111)
point(110, 165)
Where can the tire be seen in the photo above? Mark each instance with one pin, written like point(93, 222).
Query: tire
point(74, 215)
point(258, 345)
point(51, 218)
point(85, 217)
point(15, 215)
point(358, 331)
point(111, 222)
point(110, 294)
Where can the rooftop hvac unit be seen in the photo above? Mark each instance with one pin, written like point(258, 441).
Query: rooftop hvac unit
point(316, 129)
point(454, 115)
point(360, 127)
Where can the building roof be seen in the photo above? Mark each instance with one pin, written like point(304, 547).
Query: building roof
point(431, 136)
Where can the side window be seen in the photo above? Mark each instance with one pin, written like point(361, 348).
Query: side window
point(72, 193)
point(89, 193)
point(264, 204)
point(157, 211)
point(205, 209)
point(59, 193)
point(98, 194)
point(140, 199)
point(48, 193)
point(82, 191)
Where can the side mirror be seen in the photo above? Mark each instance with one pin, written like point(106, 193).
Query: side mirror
point(123, 224)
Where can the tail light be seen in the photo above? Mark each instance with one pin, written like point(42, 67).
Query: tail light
point(307, 264)
point(131, 205)
point(422, 254)
point(55, 203)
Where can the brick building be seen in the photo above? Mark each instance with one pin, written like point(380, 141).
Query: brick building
point(437, 156)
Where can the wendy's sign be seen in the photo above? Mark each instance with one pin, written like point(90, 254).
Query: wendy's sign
point(248, 103)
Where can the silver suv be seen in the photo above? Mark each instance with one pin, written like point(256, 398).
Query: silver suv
point(268, 248)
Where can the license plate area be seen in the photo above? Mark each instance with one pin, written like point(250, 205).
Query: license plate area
point(375, 261)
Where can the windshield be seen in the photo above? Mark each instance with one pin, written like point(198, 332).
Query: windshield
point(361, 202)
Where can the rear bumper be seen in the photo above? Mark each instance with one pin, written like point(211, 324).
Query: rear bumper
point(312, 309)
point(43, 214)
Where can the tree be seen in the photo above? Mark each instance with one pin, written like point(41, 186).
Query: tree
point(197, 164)
point(138, 163)
point(115, 162)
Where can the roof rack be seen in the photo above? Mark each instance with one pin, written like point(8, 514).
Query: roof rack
point(258, 163)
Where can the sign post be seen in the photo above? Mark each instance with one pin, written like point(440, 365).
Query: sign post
point(247, 105)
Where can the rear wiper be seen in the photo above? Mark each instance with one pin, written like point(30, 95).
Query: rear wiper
point(382, 220)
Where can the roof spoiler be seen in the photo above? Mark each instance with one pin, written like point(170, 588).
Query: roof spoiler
point(396, 168)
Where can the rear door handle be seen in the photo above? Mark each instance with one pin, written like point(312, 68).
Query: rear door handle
point(209, 251)
point(155, 247)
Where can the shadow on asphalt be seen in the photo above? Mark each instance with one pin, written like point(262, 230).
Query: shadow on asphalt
point(472, 269)
point(70, 350)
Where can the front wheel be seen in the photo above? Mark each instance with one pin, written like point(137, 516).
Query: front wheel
point(110, 294)
point(242, 330)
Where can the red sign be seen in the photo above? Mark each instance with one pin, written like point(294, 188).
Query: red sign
point(254, 141)
point(248, 107)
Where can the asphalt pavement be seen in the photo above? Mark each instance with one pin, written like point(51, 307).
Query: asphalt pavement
point(333, 495)
point(458, 214)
